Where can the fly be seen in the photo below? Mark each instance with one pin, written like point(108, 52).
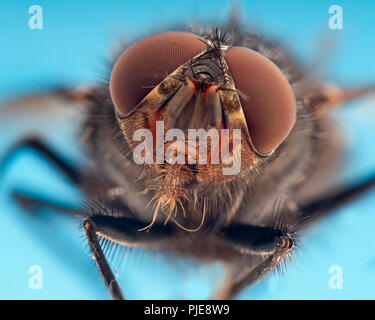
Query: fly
point(180, 110)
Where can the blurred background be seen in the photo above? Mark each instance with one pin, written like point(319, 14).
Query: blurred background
point(72, 49)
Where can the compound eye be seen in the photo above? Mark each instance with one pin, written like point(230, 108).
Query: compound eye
point(145, 64)
point(267, 98)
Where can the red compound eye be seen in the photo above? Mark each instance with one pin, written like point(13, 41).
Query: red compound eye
point(269, 104)
point(146, 63)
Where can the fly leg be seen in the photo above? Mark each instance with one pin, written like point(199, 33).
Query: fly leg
point(123, 231)
point(318, 207)
point(32, 201)
point(234, 285)
point(100, 260)
point(36, 144)
point(329, 96)
point(267, 245)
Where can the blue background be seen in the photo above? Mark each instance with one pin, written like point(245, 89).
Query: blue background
point(71, 49)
